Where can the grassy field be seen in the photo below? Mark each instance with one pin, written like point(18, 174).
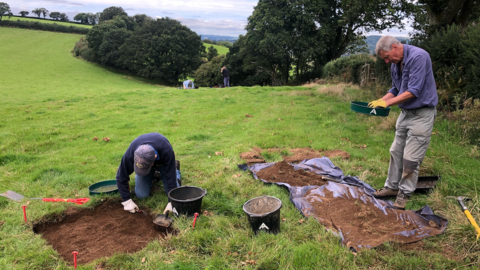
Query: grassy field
point(220, 49)
point(54, 104)
point(46, 21)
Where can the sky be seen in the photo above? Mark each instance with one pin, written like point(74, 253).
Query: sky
point(205, 17)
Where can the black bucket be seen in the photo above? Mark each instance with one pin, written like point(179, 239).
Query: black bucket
point(264, 214)
point(186, 200)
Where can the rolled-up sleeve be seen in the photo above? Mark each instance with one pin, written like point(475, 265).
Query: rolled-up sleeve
point(417, 74)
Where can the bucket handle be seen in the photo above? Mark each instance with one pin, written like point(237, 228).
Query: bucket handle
point(205, 191)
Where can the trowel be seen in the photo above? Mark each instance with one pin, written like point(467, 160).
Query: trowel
point(163, 220)
point(18, 197)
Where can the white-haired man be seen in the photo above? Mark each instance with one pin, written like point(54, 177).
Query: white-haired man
point(414, 91)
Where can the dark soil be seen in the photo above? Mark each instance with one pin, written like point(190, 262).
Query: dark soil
point(359, 220)
point(98, 232)
point(282, 172)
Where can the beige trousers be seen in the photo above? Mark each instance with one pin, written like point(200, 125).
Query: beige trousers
point(412, 137)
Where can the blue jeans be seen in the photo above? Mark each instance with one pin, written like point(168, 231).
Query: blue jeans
point(143, 184)
point(226, 81)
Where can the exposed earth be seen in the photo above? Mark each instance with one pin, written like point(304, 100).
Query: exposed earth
point(100, 232)
point(282, 172)
point(364, 221)
point(297, 154)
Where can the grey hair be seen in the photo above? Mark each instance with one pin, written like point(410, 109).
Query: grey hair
point(385, 44)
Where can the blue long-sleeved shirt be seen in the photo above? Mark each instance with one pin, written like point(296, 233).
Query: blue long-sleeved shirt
point(166, 157)
point(416, 77)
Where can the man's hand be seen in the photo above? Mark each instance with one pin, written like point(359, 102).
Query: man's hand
point(168, 208)
point(378, 103)
point(130, 206)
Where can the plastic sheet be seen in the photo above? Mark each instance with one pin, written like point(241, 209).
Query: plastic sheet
point(346, 206)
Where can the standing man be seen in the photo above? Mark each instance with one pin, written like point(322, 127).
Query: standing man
point(226, 77)
point(414, 91)
point(146, 154)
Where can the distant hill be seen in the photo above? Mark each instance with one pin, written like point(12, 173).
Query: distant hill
point(372, 42)
point(219, 38)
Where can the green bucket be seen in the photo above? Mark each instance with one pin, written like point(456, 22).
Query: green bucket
point(104, 187)
point(362, 107)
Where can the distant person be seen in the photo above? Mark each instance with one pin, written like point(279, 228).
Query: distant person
point(226, 76)
point(146, 154)
point(415, 92)
point(188, 84)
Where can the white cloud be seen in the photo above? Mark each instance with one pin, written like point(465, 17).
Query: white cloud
point(209, 17)
point(224, 16)
point(223, 28)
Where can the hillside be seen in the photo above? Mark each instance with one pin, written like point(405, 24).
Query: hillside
point(372, 42)
point(16, 18)
point(220, 49)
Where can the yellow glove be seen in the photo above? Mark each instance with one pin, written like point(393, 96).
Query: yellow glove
point(378, 103)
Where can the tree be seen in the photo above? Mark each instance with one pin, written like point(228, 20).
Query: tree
point(448, 12)
point(23, 13)
point(5, 10)
point(55, 16)
point(111, 12)
point(307, 34)
point(91, 18)
point(82, 17)
point(141, 19)
point(44, 12)
point(37, 12)
point(244, 71)
point(212, 52)
point(208, 74)
point(64, 17)
point(163, 49)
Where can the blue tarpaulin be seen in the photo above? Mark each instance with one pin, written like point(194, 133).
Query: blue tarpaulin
point(320, 202)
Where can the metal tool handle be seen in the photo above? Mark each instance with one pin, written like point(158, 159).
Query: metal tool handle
point(460, 201)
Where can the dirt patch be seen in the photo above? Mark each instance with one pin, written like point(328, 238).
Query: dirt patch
point(298, 154)
point(98, 232)
point(359, 220)
point(282, 172)
point(336, 153)
point(252, 157)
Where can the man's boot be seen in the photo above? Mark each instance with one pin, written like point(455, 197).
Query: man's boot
point(385, 192)
point(401, 201)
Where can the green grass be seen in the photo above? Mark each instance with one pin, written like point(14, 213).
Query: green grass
point(54, 104)
point(46, 21)
point(220, 49)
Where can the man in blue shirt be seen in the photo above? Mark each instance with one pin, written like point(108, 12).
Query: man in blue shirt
point(188, 84)
point(414, 91)
point(146, 154)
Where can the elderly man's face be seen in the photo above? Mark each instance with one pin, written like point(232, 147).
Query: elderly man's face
point(395, 55)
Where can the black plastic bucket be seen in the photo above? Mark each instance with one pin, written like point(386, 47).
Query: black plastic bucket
point(186, 200)
point(264, 214)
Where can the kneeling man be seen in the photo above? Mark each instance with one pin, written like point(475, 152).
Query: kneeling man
point(147, 154)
